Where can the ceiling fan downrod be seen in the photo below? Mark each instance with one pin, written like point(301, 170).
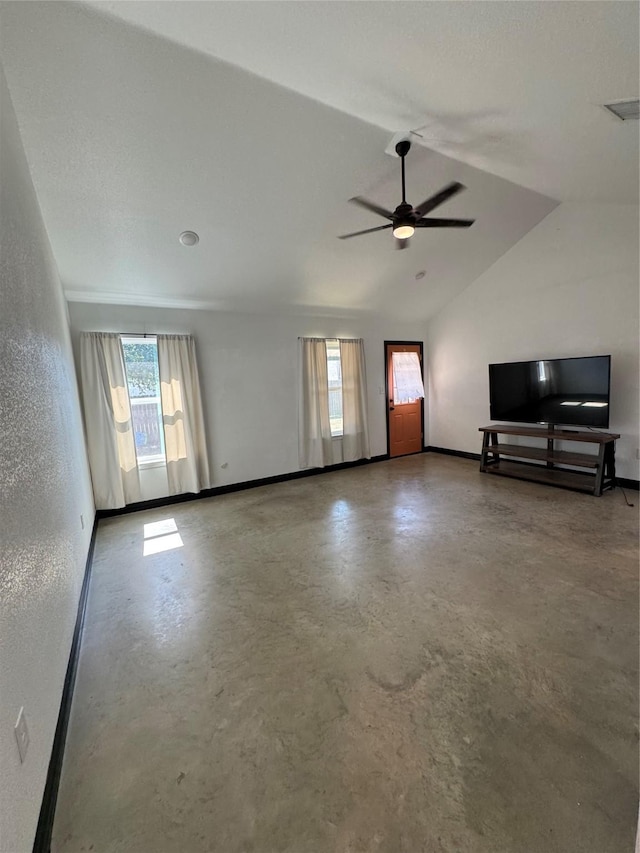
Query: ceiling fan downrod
point(403, 224)
point(402, 149)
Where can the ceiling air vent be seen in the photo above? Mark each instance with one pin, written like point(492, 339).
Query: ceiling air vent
point(624, 109)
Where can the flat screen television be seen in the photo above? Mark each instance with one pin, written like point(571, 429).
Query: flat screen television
point(572, 391)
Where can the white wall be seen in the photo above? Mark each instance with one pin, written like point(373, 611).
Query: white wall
point(45, 487)
point(568, 288)
point(248, 371)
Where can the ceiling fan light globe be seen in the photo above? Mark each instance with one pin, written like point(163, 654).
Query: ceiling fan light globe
point(403, 231)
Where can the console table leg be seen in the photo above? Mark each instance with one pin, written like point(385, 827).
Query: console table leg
point(609, 480)
point(597, 489)
point(490, 447)
point(485, 449)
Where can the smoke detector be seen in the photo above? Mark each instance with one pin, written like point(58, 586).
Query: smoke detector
point(624, 110)
point(189, 238)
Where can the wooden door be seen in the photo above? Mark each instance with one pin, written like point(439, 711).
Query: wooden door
point(404, 420)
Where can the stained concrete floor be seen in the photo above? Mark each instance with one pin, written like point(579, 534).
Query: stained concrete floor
point(403, 657)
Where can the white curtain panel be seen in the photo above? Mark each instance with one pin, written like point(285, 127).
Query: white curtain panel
point(355, 438)
point(407, 377)
point(314, 428)
point(184, 436)
point(107, 414)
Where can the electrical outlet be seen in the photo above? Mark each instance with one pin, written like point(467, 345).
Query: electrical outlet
point(22, 735)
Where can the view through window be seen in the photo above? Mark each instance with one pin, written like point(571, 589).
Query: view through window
point(334, 372)
point(143, 381)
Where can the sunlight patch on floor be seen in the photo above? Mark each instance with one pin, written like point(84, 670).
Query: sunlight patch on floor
point(161, 536)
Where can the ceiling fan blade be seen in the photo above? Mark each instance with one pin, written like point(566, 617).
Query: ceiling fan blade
point(369, 205)
point(439, 198)
point(367, 231)
point(402, 244)
point(444, 223)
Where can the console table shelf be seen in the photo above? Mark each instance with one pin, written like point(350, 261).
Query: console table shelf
point(602, 477)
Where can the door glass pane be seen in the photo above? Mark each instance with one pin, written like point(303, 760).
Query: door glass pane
point(407, 377)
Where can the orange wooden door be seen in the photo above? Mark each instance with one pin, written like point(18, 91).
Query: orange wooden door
point(404, 420)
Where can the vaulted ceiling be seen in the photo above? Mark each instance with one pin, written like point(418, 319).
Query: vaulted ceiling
point(253, 123)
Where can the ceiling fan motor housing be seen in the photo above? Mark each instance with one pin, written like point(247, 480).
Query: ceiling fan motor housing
point(404, 211)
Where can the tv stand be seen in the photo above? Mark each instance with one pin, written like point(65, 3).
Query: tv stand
point(548, 465)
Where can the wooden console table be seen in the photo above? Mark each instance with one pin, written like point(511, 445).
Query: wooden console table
point(517, 462)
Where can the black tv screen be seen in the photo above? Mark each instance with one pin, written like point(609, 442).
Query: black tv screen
point(573, 391)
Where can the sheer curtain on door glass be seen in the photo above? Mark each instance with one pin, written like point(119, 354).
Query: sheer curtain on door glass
point(315, 445)
point(182, 418)
point(107, 414)
point(407, 377)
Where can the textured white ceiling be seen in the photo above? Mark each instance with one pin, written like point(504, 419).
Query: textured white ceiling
point(132, 138)
point(512, 87)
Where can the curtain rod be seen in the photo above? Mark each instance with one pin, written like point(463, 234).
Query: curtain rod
point(124, 334)
point(154, 334)
point(142, 334)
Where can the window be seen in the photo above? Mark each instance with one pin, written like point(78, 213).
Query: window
point(332, 402)
point(334, 374)
point(143, 381)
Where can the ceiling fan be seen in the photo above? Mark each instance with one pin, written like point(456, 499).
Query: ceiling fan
point(405, 219)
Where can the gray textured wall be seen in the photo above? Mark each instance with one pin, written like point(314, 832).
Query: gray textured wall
point(44, 488)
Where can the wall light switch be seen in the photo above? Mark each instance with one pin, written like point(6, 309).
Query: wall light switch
point(22, 735)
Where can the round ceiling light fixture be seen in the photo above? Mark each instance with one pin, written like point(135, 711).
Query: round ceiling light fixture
point(189, 238)
point(403, 229)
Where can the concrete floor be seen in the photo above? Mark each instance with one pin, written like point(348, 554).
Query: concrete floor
point(408, 656)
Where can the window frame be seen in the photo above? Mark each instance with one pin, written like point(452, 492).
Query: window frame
point(158, 460)
point(335, 348)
